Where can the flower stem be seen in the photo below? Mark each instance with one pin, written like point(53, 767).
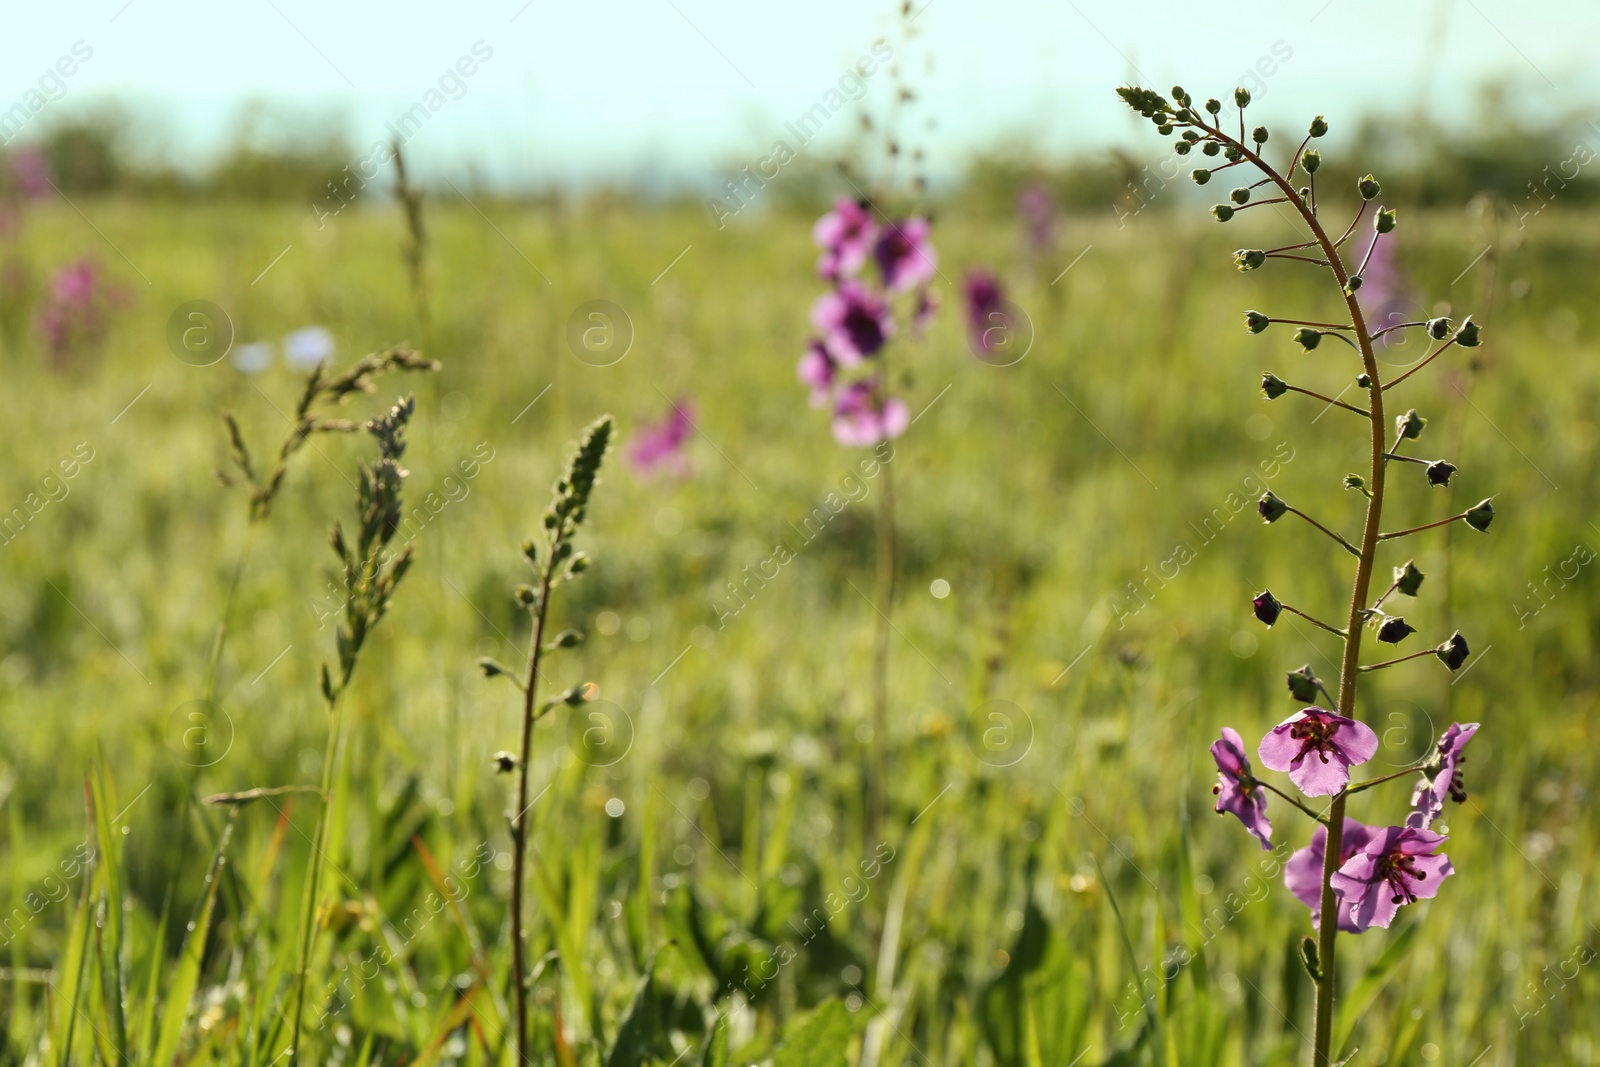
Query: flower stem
point(1311, 619)
point(1328, 399)
point(1397, 659)
point(877, 789)
point(1418, 529)
point(1269, 787)
point(519, 821)
point(1431, 356)
point(1370, 782)
point(1348, 547)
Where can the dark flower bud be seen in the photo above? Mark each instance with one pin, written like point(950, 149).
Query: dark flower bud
point(1259, 135)
point(573, 696)
point(1273, 385)
point(526, 596)
point(1270, 508)
point(1363, 381)
point(492, 668)
point(1248, 258)
point(1181, 147)
point(1256, 322)
point(1232, 154)
point(1480, 515)
point(1394, 630)
point(1307, 338)
point(1190, 136)
point(1454, 652)
point(1467, 335)
point(1409, 426)
point(1439, 328)
point(566, 639)
point(1200, 175)
point(1439, 472)
point(1408, 579)
point(1213, 105)
point(1211, 148)
point(1384, 221)
point(1241, 97)
point(1353, 284)
point(1319, 126)
point(1356, 482)
point(1177, 92)
point(530, 550)
point(1267, 607)
point(1303, 685)
point(1222, 213)
point(1368, 187)
point(1311, 160)
point(1240, 195)
point(504, 762)
point(579, 564)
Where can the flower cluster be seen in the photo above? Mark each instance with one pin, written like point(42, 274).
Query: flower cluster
point(842, 364)
point(74, 318)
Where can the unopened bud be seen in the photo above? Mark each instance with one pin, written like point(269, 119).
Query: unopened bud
point(1259, 135)
point(1256, 322)
point(492, 668)
point(1368, 187)
point(1353, 284)
point(1181, 147)
point(1319, 126)
point(1480, 515)
point(1467, 335)
point(1222, 212)
point(1273, 385)
point(1200, 175)
point(1213, 105)
point(1394, 630)
point(1439, 472)
point(1248, 258)
point(1211, 148)
point(504, 762)
point(1408, 579)
point(1270, 508)
point(1454, 652)
point(1165, 130)
point(526, 596)
point(1241, 97)
point(1240, 195)
point(1307, 338)
point(1364, 381)
point(567, 639)
point(1384, 222)
point(1311, 160)
point(1303, 685)
point(1409, 426)
point(1439, 328)
point(1232, 154)
point(1266, 607)
point(530, 550)
point(1356, 482)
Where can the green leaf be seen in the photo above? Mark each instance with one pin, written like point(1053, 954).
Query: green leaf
point(186, 979)
point(821, 1039)
point(1363, 993)
point(717, 1047)
point(640, 1034)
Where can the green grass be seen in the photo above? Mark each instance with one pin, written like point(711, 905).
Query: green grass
point(1037, 911)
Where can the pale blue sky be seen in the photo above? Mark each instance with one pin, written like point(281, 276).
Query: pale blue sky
point(677, 88)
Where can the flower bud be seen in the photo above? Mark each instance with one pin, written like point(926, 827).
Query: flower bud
point(492, 668)
point(1181, 147)
point(1353, 284)
point(1454, 652)
point(1369, 187)
point(1439, 328)
point(1273, 385)
point(1241, 97)
point(530, 551)
point(1356, 482)
point(1248, 258)
point(1307, 338)
point(1177, 92)
point(1259, 135)
point(1394, 630)
point(1270, 508)
point(1311, 160)
point(1303, 685)
point(1256, 322)
point(1266, 607)
point(566, 639)
point(1408, 579)
point(1190, 136)
point(1363, 381)
point(1409, 426)
point(1232, 154)
point(1439, 472)
point(526, 596)
point(1222, 213)
point(1211, 148)
point(1240, 195)
point(1467, 335)
point(1213, 105)
point(504, 762)
point(1200, 175)
point(1480, 515)
point(1384, 221)
point(1319, 126)
point(1164, 129)
point(572, 697)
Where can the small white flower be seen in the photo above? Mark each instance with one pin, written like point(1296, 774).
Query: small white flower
point(253, 358)
point(308, 347)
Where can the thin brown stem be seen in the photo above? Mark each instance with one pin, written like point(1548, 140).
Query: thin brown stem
point(1397, 659)
point(519, 821)
point(1269, 787)
point(1347, 546)
point(1311, 619)
point(1370, 782)
point(1431, 357)
point(1331, 400)
point(1418, 529)
point(1307, 322)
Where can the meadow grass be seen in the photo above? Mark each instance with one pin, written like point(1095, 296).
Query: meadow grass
point(1062, 862)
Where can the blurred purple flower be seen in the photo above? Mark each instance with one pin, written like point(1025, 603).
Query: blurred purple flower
point(988, 315)
point(864, 417)
point(1236, 789)
point(818, 370)
point(1318, 748)
point(854, 323)
point(905, 255)
point(1384, 293)
point(308, 347)
point(845, 236)
point(1037, 209)
point(31, 171)
point(74, 316)
point(1444, 779)
point(1303, 873)
point(661, 446)
point(1397, 866)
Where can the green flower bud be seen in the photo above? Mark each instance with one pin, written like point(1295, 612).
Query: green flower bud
point(1247, 258)
point(1303, 685)
point(1311, 160)
point(1190, 136)
point(1409, 426)
point(1467, 335)
point(1256, 322)
point(1353, 284)
point(1439, 328)
point(1181, 147)
point(1369, 187)
point(1259, 135)
point(1211, 148)
point(1408, 579)
point(1221, 212)
point(1241, 97)
point(1165, 129)
point(1200, 175)
point(1270, 508)
point(1273, 385)
point(1480, 515)
point(1177, 92)
point(1384, 221)
point(526, 596)
point(566, 639)
point(1358, 483)
point(493, 669)
point(1439, 472)
point(530, 550)
point(1213, 105)
point(1454, 652)
point(1232, 155)
point(1319, 126)
point(1240, 195)
point(1307, 338)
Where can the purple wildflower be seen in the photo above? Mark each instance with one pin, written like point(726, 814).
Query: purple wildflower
point(31, 171)
point(989, 318)
point(661, 445)
point(864, 417)
point(854, 323)
point(74, 314)
point(1318, 748)
point(1385, 295)
point(1441, 777)
point(845, 236)
point(818, 370)
point(1236, 789)
point(1303, 873)
point(1397, 866)
point(905, 255)
point(1037, 209)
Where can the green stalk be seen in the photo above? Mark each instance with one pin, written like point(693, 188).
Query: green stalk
point(519, 823)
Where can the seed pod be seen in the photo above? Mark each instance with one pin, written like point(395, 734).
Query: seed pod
point(1394, 630)
point(1439, 472)
point(1480, 515)
point(1368, 187)
point(1270, 508)
point(1256, 322)
point(1266, 607)
point(1319, 126)
point(1454, 652)
point(1303, 685)
point(1409, 426)
point(1273, 386)
point(1408, 579)
point(1222, 212)
point(1241, 98)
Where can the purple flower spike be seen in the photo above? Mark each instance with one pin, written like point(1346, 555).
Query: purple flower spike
point(661, 446)
point(1441, 777)
point(1318, 748)
point(905, 255)
point(845, 235)
point(818, 370)
point(1303, 873)
point(864, 417)
point(1397, 866)
point(854, 323)
point(988, 314)
point(1236, 789)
